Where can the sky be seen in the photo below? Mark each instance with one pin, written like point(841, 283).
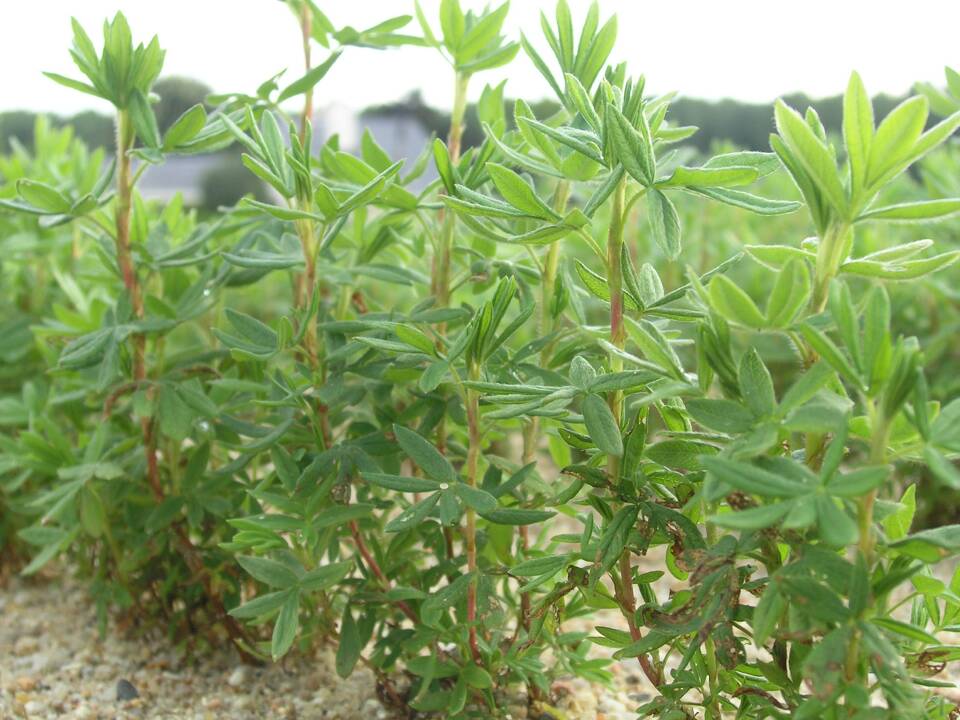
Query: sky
point(750, 50)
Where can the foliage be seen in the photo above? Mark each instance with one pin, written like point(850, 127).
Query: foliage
point(432, 428)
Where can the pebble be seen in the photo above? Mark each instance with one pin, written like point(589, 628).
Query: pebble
point(239, 677)
point(33, 707)
point(26, 645)
point(25, 683)
point(126, 690)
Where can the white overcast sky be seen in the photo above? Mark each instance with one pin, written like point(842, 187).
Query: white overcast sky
point(752, 50)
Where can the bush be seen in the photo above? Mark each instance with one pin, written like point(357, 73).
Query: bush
point(227, 182)
point(433, 428)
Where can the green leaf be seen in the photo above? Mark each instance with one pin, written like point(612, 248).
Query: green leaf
point(895, 139)
point(723, 415)
point(906, 630)
point(400, 483)
point(914, 211)
point(452, 23)
point(814, 598)
point(598, 286)
point(756, 384)
point(185, 128)
point(74, 84)
point(546, 565)
point(339, 515)
point(281, 213)
point(756, 518)
point(268, 571)
point(930, 546)
point(748, 201)
point(518, 193)
point(444, 167)
point(43, 196)
point(479, 500)
point(582, 102)
point(350, 645)
point(261, 605)
point(857, 131)
point(664, 223)
point(413, 515)
point(767, 614)
point(143, 119)
point(176, 417)
point(424, 454)
point(729, 176)
point(836, 527)
point(754, 480)
point(812, 155)
point(476, 677)
point(325, 576)
point(633, 149)
point(285, 629)
point(494, 59)
point(942, 468)
point(310, 79)
point(602, 426)
point(791, 293)
point(445, 598)
point(517, 516)
point(858, 482)
point(826, 348)
point(730, 301)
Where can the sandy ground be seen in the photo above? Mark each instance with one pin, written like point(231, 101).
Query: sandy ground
point(54, 664)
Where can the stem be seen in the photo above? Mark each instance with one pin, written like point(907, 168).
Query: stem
point(832, 251)
point(441, 279)
point(125, 140)
point(880, 427)
point(377, 571)
point(617, 330)
point(306, 24)
point(306, 232)
point(627, 598)
point(548, 324)
point(128, 271)
point(878, 456)
point(473, 458)
point(712, 702)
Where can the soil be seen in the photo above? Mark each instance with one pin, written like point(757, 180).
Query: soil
point(55, 664)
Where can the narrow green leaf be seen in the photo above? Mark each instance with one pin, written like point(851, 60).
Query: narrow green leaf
point(601, 425)
point(424, 454)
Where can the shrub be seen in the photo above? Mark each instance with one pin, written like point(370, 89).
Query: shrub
point(433, 428)
point(226, 183)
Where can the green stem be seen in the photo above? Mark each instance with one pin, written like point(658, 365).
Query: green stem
point(618, 336)
point(442, 263)
point(880, 432)
point(306, 27)
point(473, 461)
point(832, 251)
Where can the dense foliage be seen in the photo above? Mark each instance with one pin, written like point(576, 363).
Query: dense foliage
point(433, 428)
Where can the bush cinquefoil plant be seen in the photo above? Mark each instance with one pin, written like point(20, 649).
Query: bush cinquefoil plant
point(442, 429)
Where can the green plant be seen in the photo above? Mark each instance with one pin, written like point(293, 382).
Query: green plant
point(435, 428)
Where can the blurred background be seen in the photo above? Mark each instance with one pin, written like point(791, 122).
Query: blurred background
point(730, 60)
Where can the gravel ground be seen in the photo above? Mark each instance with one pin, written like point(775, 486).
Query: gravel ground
point(54, 664)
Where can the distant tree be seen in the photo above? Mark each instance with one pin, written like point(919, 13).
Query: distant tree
point(228, 181)
point(94, 129)
point(16, 124)
point(177, 94)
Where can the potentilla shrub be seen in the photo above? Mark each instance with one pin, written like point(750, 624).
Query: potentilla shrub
point(440, 429)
